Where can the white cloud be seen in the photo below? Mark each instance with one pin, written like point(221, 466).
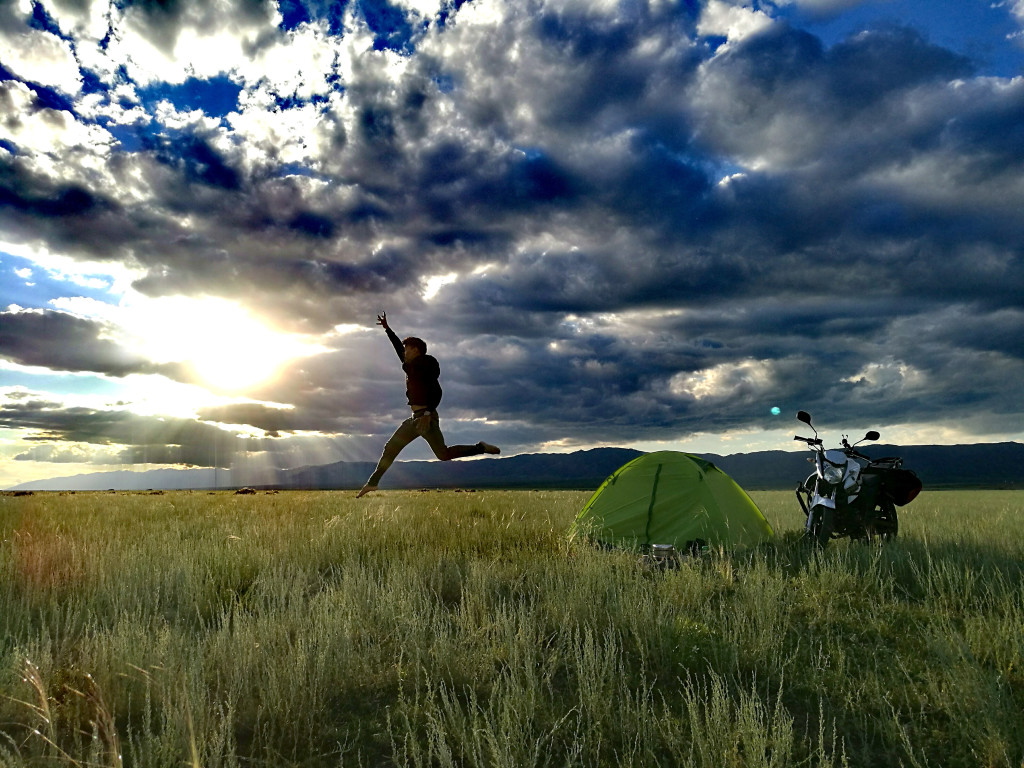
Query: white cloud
point(95, 106)
point(82, 18)
point(428, 9)
point(192, 40)
point(362, 67)
point(735, 22)
point(295, 63)
point(1017, 9)
point(435, 283)
point(45, 130)
point(726, 380)
point(294, 135)
point(40, 57)
point(82, 306)
point(889, 376)
point(171, 117)
point(485, 13)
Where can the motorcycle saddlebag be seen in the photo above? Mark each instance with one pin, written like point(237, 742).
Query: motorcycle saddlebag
point(902, 485)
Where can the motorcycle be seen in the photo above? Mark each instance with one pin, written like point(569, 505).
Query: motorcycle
point(850, 494)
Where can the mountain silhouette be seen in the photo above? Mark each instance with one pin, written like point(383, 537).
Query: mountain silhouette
point(984, 465)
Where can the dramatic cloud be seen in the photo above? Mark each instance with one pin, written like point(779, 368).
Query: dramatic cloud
point(62, 342)
point(612, 223)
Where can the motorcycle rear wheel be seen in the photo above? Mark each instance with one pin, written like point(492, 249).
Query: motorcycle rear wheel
point(820, 526)
point(884, 523)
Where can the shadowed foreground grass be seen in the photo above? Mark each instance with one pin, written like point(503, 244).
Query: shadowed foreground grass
point(446, 628)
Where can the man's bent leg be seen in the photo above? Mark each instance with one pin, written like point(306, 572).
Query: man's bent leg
point(435, 439)
point(404, 435)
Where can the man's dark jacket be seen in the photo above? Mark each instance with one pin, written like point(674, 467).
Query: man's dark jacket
point(421, 374)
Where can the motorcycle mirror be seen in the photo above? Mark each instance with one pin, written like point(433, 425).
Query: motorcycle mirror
point(804, 416)
point(872, 435)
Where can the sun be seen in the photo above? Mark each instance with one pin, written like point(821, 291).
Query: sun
point(224, 345)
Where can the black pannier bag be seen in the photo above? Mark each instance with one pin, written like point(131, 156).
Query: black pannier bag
point(902, 485)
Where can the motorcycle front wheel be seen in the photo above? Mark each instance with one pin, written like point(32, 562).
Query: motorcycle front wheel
point(820, 524)
point(884, 523)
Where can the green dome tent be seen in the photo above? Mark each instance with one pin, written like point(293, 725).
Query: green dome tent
point(674, 498)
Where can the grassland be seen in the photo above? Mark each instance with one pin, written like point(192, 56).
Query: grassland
point(446, 628)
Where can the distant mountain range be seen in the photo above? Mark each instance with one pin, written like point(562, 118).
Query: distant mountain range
point(985, 465)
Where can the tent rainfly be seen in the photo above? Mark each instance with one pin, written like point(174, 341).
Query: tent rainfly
point(668, 497)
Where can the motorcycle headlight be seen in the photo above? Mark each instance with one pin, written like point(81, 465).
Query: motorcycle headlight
point(833, 474)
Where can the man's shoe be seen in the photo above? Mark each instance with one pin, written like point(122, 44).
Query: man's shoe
point(365, 490)
point(488, 448)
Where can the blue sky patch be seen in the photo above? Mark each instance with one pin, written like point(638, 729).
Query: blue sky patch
point(980, 31)
point(445, 83)
point(129, 137)
point(91, 83)
point(216, 97)
point(284, 103)
point(61, 383)
point(42, 20)
point(390, 26)
point(54, 99)
point(295, 13)
point(38, 286)
point(297, 169)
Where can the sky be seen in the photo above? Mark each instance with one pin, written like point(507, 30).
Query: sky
point(646, 223)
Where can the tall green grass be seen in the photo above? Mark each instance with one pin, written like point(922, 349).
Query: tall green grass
point(446, 628)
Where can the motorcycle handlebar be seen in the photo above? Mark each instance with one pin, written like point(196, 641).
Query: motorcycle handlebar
point(808, 440)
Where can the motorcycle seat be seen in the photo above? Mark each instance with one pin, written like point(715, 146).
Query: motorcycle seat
point(884, 464)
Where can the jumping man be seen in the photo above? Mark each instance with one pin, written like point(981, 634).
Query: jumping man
point(424, 393)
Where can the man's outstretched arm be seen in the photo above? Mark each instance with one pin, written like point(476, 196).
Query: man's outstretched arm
point(382, 321)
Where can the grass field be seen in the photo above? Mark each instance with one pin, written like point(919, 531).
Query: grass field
point(447, 628)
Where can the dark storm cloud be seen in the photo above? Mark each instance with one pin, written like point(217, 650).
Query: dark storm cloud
point(788, 229)
point(67, 201)
point(80, 435)
point(64, 342)
point(312, 224)
point(272, 420)
point(119, 436)
point(628, 276)
point(848, 359)
point(879, 138)
point(197, 161)
point(71, 218)
point(467, 188)
point(634, 217)
point(38, 198)
point(785, 77)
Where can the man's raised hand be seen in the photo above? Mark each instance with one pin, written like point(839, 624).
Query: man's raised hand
point(382, 320)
